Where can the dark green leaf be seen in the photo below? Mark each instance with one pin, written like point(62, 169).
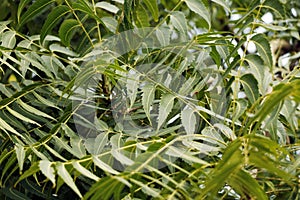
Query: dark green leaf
point(53, 18)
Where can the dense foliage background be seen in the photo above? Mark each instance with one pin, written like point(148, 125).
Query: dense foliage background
point(142, 99)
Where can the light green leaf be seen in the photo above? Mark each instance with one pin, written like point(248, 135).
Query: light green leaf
point(77, 146)
point(102, 165)
point(153, 8)
point(256, 66)
point(184, 154)
point(226, 131)
point(35, 60)
point(52, 19)
point(8, 39)
point(264, 49)
point(6, 127)
point(3, 61)
point(34, 110)
point(107, 6)
point(111, 23)
point(165, 107)
point(33, 10)
point(178, 20)
point(241, 106)
point(188, 120)
point(66, 177)
point(224, 4)
point(47, 170)
point(20, 152)
point(46, 102)
point(84, 171)
point(62, 49)
point(66, 30)
point(199, 8)
point(21, 117)
point(70, 133)
point(132, 85)
point(147, 99)
point(96, 145)
point(64, 144)
point(121, 157)
point(163, 34)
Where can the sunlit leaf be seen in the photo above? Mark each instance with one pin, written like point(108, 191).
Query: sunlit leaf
point(199, 8)
point(147, 99)
point(48, 170)
point(66, 177)
point(165, 107)
point(107, 6)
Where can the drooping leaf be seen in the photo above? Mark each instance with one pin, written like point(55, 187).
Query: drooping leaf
point(242, 182)
point(107, 6)
point(77, 146)
point(21, 117)
point(111, 23)
point(165, 107)
point(66, 177)
point(47, 169)
point(264, 49)
point(199, 8)
point(280, 92)
point(34, 110)
point(241, 106)
point(141, 17)
point(132, 85)
point(251, 87)
point(34, 168)
point(189, 120)
point(84, 171)
point(153, 8)
point(224, 4)
point(8, 39)
point(163, 34)
point(6, 127)
point(21, 6)
point(52, 19)
point(178, 20)
point(105, 188)
point(66, 30)
point(20, 152)
point(36, 8)
point(147, 99)
point(85, 7)
point(102, 165)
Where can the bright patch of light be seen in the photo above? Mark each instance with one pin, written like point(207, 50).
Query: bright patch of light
point(235, 17)
point(267, 18)
point(251, 47)
point(247, 30)
point(284, 60)
point(294, 12)
point(241, 95)
point(260, 30)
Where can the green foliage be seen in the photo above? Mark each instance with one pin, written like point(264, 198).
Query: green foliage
point(132, 99)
